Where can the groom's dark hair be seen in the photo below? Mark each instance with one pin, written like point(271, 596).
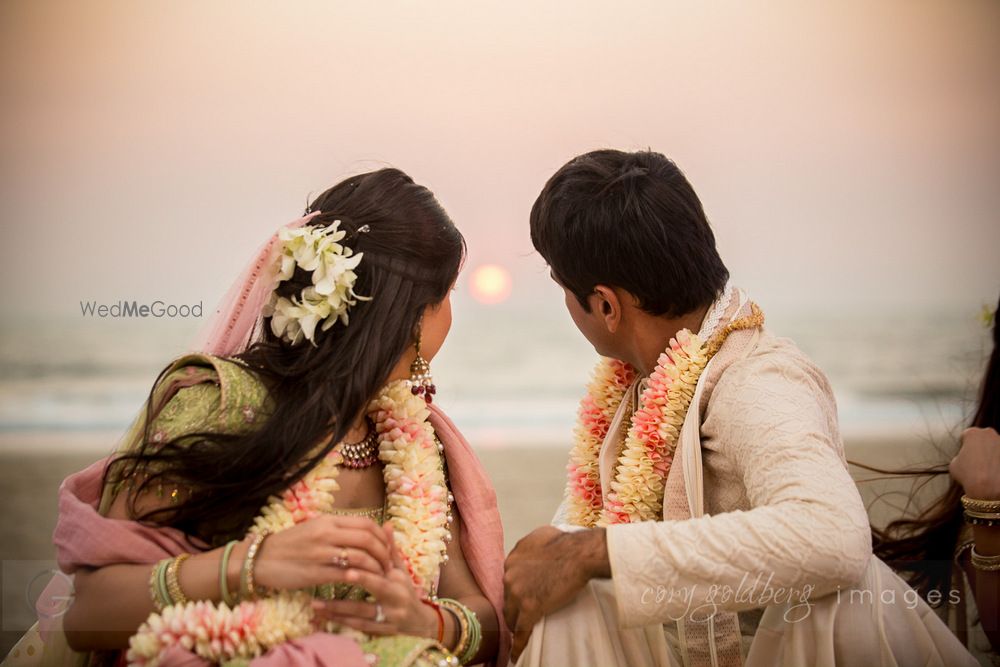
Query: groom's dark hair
point(628, 220)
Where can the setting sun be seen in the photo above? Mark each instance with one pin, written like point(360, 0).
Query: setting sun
point(491, 284)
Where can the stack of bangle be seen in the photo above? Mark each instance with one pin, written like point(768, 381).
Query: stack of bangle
point(470, 635)
point(981, 512)
point(164, 585)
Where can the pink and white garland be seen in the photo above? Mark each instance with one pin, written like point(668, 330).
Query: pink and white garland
point(417, 496)
point(636, 492)
point(218, 633)
point(417, 505)
point(611, 381)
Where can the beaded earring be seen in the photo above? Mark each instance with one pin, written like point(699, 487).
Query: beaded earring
point(421, 382)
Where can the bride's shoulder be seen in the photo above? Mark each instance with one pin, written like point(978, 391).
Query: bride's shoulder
point(202, 391)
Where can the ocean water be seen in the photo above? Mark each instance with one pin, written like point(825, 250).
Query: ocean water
point(508, 375)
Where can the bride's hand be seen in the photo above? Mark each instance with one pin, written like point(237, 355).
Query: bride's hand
point(396, 597)
point(977, 466)
point(314, 552)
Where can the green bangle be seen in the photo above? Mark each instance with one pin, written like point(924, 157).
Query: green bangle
point(164, 589)
point(476, 635)
point(154, 589)
point(161, 582)
point(470, 630)
point(224, 576)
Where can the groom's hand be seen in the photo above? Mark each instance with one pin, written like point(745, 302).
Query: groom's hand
point(545, 571)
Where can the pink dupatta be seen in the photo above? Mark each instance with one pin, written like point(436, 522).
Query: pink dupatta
point(482, 532)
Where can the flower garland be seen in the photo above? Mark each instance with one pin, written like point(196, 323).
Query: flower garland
point(218, 633)
point(612, 378)
point(309, 497)
point(417, 504)
point(417, 496)
point(636, 492)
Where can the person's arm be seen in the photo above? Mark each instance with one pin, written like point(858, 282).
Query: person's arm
point(977, 469)
point(458, 583)
point(110, 603)
point(985, 584)
point(545, 571)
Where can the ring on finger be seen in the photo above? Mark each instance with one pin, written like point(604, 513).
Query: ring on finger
point(379, 613)
point(342, 560)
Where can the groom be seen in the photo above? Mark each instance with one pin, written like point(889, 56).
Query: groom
point(627, 240)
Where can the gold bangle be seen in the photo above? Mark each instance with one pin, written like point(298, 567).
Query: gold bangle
point(980, 505)
point(980, 514)
point(985, 563)
point(173, 584)
point(248, 589)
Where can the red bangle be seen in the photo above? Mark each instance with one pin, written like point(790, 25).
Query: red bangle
point(437, 609)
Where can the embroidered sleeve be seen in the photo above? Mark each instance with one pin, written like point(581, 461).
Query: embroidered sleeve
point(203, 394)
point(806, 533)
point(192, 409)
point(196, 394)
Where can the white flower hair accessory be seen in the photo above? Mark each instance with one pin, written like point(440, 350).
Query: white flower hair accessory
point(330, 297)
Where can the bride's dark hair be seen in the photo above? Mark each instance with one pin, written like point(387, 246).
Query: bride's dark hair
point(412, 255)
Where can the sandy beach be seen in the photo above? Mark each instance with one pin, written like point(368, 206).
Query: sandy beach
point(528, 480)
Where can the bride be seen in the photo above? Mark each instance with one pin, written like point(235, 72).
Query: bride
point(290, 495)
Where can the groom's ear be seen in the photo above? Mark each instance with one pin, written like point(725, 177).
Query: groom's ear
point(606, 305)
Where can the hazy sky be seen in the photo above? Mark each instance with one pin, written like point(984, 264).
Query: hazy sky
point(849, 150)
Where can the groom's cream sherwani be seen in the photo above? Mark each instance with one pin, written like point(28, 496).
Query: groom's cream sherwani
point(759, 512)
